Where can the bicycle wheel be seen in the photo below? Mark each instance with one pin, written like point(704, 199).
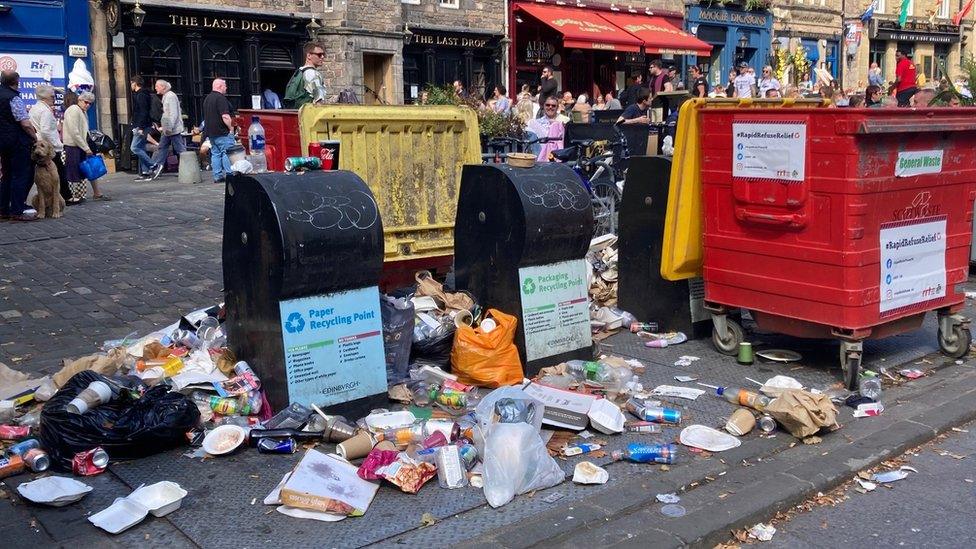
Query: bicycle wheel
point(606, 206)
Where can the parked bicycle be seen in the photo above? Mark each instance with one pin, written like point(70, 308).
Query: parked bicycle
point(599, 177)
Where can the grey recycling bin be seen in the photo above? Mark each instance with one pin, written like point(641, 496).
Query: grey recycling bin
point(302, 256)
point(519, 241)
point(641, 290)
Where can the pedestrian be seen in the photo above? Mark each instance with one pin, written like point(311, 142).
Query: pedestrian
point(582, 107)
point(674, 77)
point(699, 85)
point(547, 88)
point(904, 85)
point(730, 87)
point(46, 125)
point(17, 136)
point(920, 79)
point(827, 93)
point(855, 101)
point(141, 127)
point(218, 127)
point(767, 82)
point(637, 113)
point(548, 126)
point(874, 76)
point(613, 104)
point(873, 96)
point(599, 102)
point(459, 89)
point(525, 110)
point(773, 93)
point(806, 86)
point(502, 103)
point(744, 82)
point(566, 104)
point(923, 97)
point(76, 148)
point(306, 85)
point(629, 96)
point(171, 127)
point(658, 83)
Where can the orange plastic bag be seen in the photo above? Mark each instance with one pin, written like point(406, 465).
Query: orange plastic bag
point(487, 360)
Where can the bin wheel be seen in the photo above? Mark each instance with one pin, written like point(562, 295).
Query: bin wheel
point(850, 363)
point(960, 344)
point(729, 345)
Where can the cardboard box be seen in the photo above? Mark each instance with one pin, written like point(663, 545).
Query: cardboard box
point(327, 483)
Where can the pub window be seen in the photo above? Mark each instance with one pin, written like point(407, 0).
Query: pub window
point(329, 5)
point(944, 9)
point(453, 4)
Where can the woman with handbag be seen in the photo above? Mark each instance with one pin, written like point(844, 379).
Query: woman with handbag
point(76, 148)
point(46, 125)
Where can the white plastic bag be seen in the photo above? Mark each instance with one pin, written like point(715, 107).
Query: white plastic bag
point(515, 458)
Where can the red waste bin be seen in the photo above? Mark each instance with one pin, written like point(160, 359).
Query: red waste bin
point(282, 136)
point(838, 223)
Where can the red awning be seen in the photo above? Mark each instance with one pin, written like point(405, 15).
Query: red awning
point(583, 29)
point(658, 35)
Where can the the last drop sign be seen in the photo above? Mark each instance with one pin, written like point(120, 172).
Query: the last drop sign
point(555, 308)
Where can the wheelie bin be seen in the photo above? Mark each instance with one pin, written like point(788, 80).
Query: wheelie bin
point(832, 223)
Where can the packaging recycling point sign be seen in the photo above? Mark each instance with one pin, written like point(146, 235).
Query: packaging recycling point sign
point(555, 308)
point(333, 347)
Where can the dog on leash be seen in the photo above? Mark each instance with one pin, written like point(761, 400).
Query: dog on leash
point(48, 201)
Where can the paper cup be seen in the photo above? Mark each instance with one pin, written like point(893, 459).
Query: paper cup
point(356, 447)
point(463, 318)
point(741, 422)
point(97, 392)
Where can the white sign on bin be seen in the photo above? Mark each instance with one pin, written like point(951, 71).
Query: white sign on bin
point(913, 257)
point(769, 150)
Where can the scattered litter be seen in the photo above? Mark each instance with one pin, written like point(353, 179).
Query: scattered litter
point(706, 438)
point(295, 512)
point(686, 360)
point(869, 409)
point(762, 532)
point(868, 486)
point(813, 439)
point(54, 490)
point(970, 295)
point(673, 511)
point(780, 355)
point(554, 497)
point(668, 498)
point(685, 379)
point(958, 430)
point(606, 417)
point(120, 516)
point(588, 473)
point(911, 373)
point(776, 384)
point(741, 422)
point(427, 519)
point(893, 475)
point(224, 439)
point(687, 393)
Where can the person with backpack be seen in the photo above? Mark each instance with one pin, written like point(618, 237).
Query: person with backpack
point(306, 85)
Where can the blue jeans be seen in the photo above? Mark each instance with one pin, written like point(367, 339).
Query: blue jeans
point(165, 142)
point(219, 161)
point(138, 148)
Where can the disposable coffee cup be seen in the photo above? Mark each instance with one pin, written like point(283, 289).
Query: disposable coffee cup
point(745, 354)
point(487, 325)
point(386, 445)
point(463, 318)
point(97, 392)
point(741, 422)
point(356, 447)
point(339, 430)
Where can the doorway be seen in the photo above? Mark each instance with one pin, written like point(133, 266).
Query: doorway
point(377, 72)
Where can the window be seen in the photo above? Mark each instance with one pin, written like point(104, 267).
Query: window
point(414, 2)
point(943, 9)
point(911, 7)
point(881, 6)
point(453, 4)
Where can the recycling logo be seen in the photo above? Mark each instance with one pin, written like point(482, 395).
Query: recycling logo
point(528, 287)
point(295, 323)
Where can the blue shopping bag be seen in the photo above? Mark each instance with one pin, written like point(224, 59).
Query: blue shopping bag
point(93, 167)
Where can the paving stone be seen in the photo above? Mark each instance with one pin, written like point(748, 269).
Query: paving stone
point(11, 314)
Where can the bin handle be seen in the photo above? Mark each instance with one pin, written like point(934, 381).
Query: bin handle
point(794, 221)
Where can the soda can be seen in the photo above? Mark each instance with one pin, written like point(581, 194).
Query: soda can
point(242, 368)
point(277, 446)
point(296, 163)
point(662, 415)
point(643, 327)
point(14, 432)
point(11, 465)
point(469, 454)
point(315, 149)
point(37, 460)
point(23, 447)
point(329, 154)
point(90, 463)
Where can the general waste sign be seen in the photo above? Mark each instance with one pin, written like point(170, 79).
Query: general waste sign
point(918, 162)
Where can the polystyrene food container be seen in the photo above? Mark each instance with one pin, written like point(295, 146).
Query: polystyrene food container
point(161, 498)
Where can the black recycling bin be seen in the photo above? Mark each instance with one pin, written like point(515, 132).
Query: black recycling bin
point(641, 291)
point(302, 256)
point(519, 242)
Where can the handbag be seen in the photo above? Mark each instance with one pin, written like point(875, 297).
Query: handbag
point(92, 168)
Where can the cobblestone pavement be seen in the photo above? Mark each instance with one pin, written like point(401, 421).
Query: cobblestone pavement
point(136, 263)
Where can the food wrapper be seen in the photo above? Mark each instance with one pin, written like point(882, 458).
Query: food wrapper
point(407, 474)
point(377, 459)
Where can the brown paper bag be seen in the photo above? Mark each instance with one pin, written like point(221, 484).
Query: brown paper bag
point(803, 413)
point(106, 365)
point(446, 301)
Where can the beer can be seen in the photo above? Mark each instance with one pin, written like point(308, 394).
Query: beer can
point(14, 432)
point(643, 327)
point(277, 446)
point(296, 163)
point(11, 465)
point(24, 446)
point(662, 415)
point(90, 463)
point(37, 460)
point(329, 153)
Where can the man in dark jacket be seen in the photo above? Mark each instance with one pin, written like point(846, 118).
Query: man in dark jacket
point(17, 137)
point(547, 87)
point(141, 125)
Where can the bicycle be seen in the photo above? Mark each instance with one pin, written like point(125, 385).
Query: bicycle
point(599, 177)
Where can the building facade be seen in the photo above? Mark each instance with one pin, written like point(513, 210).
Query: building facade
point(816, 26)
point(738, 33)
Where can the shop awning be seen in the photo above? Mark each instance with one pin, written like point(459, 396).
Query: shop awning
point(658, 35)
point(583, 29)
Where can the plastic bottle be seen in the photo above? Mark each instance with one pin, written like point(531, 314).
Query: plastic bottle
point(225, 406)
point(255, 136)
point(647, 453)
point(742, 397)
point(870, 387)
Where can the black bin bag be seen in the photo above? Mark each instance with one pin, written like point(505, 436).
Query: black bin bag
point(125, 428)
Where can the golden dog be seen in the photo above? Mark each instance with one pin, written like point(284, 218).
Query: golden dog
point(48, 201)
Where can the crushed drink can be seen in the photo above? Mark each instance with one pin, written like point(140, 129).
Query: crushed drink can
point(37, 460)
point(24, 446)
point(296, 163)
point(90, 463)
point(14, 432)
point(642, 427)
point(643, 327)
point(277, 446)
point(662, 415)
point(11, 465)
point(469, 455)
point(450, 469)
